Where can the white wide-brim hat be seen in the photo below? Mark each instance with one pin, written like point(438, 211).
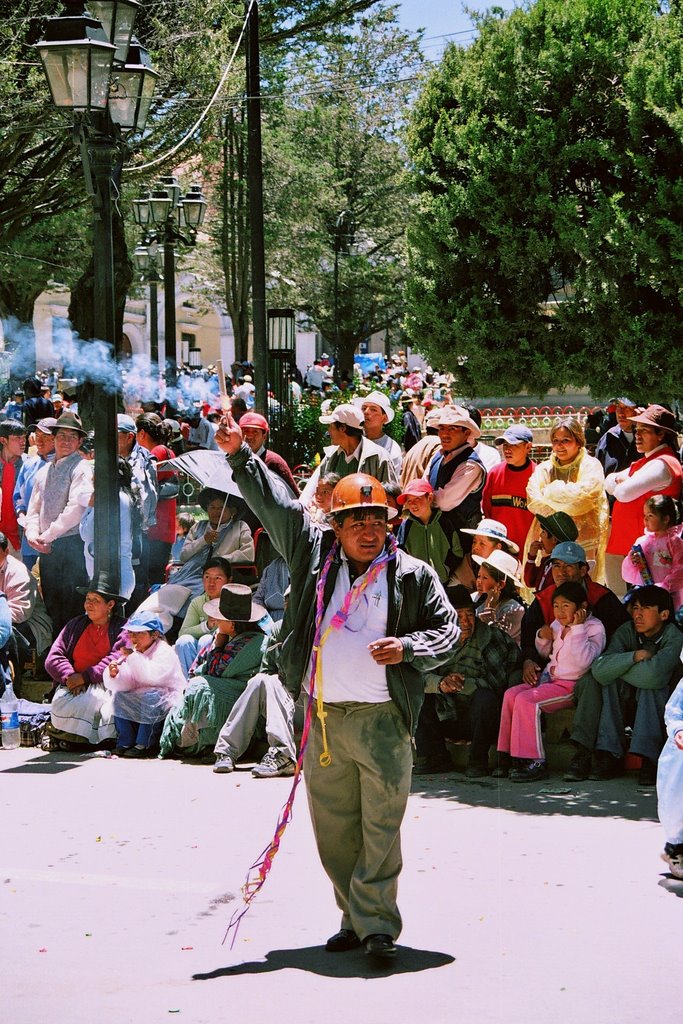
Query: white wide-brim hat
point(504, 563)
point(376, 398)
point(496, 531)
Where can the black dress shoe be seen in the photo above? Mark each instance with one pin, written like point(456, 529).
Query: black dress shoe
point(606, 766)
point(579, 767)
point(380, 946)
point(344, 940)
point(532, 771)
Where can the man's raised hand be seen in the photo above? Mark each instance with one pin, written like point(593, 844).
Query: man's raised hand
point(229, 435)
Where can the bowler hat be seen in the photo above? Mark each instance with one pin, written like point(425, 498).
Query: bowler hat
point(101, 584)
point(234, 605)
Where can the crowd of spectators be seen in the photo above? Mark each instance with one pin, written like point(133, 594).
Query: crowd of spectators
point(565, 573)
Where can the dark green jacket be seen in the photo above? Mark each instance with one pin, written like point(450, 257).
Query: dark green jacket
point(420, 614)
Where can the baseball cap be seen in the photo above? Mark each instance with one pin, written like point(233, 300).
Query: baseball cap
point(45, 426)
point(125, 424)
point(142, 620)
point(518, 434)
point(415, 489)
point(349, 415)
point(254, 420)
point(568, 552)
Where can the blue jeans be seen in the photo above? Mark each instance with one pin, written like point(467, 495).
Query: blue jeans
point(132, 734)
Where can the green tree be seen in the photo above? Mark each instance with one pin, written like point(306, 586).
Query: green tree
point(546, 158)
point(335, 147)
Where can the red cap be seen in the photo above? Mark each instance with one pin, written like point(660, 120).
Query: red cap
point(255, 420)
point(415, 489)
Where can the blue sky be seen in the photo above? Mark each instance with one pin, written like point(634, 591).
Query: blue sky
point(443, 17)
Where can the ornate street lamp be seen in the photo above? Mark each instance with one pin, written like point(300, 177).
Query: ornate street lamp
point(281, 362)
point(94, 73)
point(165, 215)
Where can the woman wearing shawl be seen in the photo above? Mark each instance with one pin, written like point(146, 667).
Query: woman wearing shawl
point(572, 481)
point(221, 674)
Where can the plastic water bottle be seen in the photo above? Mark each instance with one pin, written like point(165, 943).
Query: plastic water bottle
point(9, 712)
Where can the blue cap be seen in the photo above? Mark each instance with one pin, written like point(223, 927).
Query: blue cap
point(568, 552)
point(144, 621)
point(517, 434)
point(125, 424)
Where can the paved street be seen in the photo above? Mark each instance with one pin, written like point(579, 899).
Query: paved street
point(543, 903)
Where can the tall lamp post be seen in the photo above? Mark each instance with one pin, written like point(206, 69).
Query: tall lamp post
point(344, 233)
point(163, 213)
point(99, 74)
point(146, 262)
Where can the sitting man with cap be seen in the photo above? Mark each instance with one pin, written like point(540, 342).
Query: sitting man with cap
point(61, 491)
point(568, 563)
point(455, 471)
point(44, 442)
point(554, 529)
point(377, 411)
point(350, 451)
point(424, 533)
point(464, 699)
point(265, 709)
point(363, 623)
point(504, 495)
point(629, 684)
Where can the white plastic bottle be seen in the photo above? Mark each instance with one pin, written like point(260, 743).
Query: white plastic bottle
point(9, 712)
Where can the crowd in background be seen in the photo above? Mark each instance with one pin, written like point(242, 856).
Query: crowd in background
point(565, 572)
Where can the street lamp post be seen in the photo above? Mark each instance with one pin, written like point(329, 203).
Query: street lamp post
point(163, 213)
point(102, 76)
point(344, 232)
point(146, 262)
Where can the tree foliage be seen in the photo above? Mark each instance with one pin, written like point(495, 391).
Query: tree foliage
point(548, 242)
point(334, 146)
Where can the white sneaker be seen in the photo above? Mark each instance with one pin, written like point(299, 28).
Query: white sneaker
point(675, 862)
point(273, 763)
point(224, 764)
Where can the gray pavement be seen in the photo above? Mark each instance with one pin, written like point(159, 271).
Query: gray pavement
point(542, 903)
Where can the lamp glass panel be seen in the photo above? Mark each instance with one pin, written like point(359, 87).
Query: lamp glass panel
point(78, 73)
point(118, 20)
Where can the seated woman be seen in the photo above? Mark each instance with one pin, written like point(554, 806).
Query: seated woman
point(145, 681)
point(499, 603)
point(81, 711)
point(221, 674)
point(217, 573)
point(223, 534)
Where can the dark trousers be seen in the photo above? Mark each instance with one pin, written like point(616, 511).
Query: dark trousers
point(131, 734)
point(477, 719)
point(602, 712)
point(61, 572)
point(159, 557)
